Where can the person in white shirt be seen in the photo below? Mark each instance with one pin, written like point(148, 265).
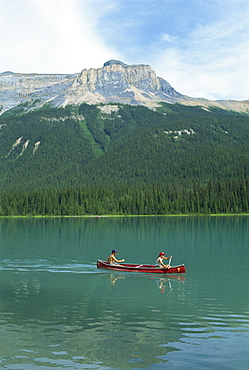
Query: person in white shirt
point(160, 258)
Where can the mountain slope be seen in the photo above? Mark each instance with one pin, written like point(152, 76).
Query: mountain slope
point(121, 144)
point(32, 89)
point(118, 124)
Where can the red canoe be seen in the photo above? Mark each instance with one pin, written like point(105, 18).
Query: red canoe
point(133, 267)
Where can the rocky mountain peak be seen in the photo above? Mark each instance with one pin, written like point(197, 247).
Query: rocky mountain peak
point(121, 83)
point(115, 82)
point(113, 62)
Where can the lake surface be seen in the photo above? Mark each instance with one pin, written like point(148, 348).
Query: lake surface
point(57, 310)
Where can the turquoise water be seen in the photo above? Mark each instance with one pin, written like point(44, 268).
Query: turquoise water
point(57, 310)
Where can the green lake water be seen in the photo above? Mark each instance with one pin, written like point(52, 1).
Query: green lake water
point(57, 310)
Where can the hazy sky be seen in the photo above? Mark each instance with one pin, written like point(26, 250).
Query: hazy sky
point(201, 47)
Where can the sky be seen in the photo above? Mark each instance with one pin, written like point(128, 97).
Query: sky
point(201, 47)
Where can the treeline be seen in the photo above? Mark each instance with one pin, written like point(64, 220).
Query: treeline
point(218, 196)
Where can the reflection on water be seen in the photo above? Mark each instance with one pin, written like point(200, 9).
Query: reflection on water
point(25, 286)
point(161, 282)
point(78, 317)
point(113, 279)
point(57, 310)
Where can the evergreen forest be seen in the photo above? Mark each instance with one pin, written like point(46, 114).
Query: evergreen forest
point(124, 160)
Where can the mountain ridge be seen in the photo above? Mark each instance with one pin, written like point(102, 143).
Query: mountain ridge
point(115, 82)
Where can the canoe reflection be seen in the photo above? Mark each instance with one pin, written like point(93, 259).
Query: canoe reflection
point(165, 282)
point(161, 282)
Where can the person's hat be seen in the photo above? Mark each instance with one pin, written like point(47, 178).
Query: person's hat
point(161, 254)
point(114, 251)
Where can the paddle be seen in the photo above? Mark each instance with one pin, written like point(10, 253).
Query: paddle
point(170, 260)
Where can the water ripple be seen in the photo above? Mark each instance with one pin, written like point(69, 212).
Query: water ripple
point(46, 265)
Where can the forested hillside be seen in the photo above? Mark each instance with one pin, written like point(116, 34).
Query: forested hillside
point(121, 147)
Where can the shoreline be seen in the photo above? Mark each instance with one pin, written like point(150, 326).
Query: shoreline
point(119, 216)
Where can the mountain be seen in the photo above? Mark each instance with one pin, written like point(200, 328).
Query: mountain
point(34, 90)
point(115, 82)
point(116, 125)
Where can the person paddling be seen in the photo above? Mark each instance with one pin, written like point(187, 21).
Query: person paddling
point(112, 260)
point(160, 258)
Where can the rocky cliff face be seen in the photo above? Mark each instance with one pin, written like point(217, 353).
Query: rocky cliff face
point(115, 82)
point(118, 82)
point(17, 88)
